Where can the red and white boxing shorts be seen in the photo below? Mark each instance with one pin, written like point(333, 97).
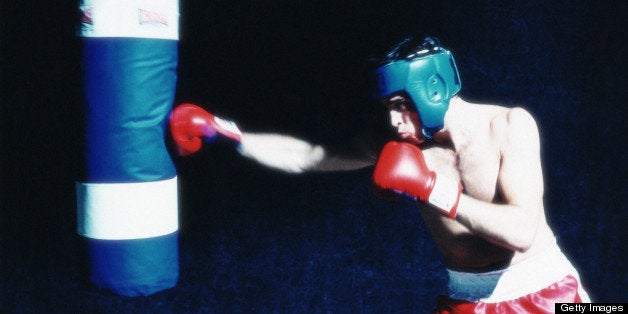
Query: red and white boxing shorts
point(532, 286)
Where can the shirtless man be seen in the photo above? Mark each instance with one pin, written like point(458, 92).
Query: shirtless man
point(474, 169)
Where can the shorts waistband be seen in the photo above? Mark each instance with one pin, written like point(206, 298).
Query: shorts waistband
point(518, 280)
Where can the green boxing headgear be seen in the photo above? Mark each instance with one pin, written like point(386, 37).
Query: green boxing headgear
point(427, 74)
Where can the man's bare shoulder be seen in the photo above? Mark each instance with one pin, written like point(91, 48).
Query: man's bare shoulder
point(519, 117)
point(514, 125)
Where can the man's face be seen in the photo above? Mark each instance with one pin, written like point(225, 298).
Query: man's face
point(405, 119)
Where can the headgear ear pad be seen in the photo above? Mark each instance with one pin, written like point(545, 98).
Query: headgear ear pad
point(430, 81)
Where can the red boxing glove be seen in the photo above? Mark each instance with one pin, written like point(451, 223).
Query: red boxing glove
point(191, 124)
point(401, 168)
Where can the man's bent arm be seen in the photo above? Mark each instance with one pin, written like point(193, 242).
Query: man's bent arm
point(520, 180)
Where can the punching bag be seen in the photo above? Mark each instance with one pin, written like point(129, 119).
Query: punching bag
point(127, 199)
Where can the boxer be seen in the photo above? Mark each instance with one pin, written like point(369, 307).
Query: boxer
point(474, 171)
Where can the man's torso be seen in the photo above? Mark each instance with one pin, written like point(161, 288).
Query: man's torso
point(476, 165)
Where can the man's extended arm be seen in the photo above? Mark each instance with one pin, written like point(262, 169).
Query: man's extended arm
point(191, 126)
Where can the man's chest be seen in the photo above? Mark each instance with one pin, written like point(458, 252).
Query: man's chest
point(475, 166)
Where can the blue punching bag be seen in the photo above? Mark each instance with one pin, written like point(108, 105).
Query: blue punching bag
point(127, 203)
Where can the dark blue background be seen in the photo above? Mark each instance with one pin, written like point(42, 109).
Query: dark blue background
point(253, 240)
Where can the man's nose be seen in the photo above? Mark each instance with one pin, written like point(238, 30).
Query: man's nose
point(396, 118)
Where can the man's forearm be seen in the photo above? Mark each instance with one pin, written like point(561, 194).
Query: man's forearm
point(511, 226)
point(293, 155)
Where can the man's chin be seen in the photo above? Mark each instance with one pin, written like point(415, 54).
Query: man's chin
point(412, 140)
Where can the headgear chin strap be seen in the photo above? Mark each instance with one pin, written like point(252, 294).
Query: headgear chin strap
point(430, 79)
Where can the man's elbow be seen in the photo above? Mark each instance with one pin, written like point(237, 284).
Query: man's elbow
point(522, 244)
point(524, 237)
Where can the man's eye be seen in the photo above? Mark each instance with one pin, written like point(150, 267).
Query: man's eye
point(398, 106)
